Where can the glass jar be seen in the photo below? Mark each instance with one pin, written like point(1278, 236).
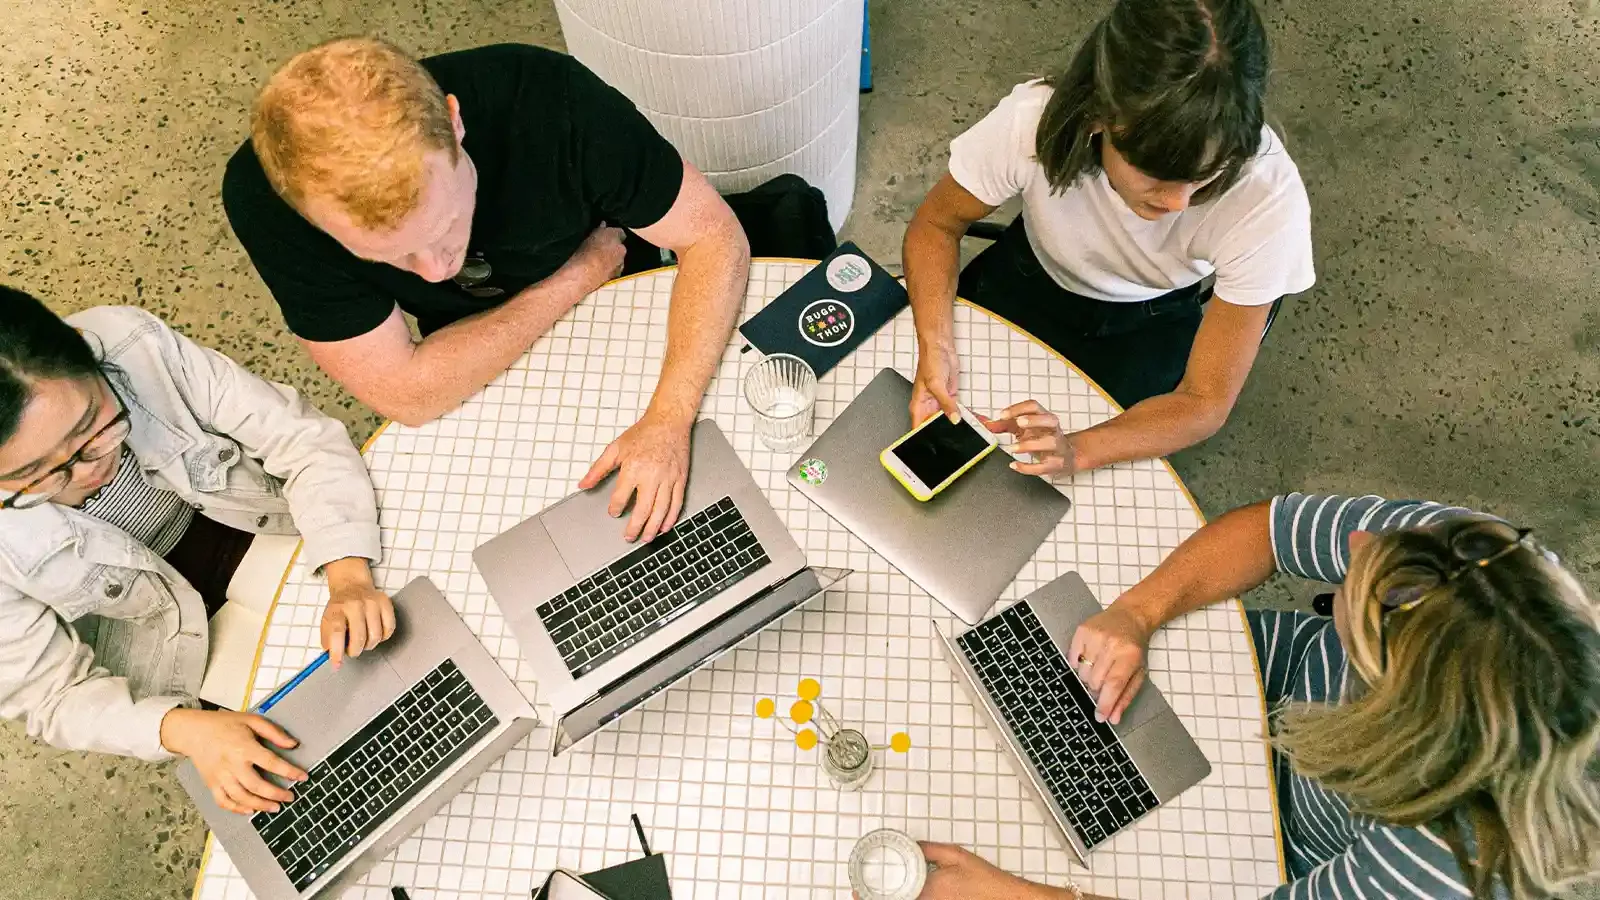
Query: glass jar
point(847, 759)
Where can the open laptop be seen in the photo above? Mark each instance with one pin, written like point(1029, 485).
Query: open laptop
point(607, 624)
point(1091, 779)
point(388, 739)
point(965, 545)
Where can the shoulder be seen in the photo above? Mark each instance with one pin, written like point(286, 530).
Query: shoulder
point(114, 326)
point(1025, 106)
point(498, 65)
point(1270, 175)
point(1412, 861)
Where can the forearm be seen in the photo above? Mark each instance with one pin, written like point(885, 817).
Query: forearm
point(932, 258)
point(451, 365)
point(706, 297)
point(1223, 559)
point(1151, 428)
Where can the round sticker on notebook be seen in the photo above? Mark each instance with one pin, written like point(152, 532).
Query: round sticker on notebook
point(848, 272)
point(826, 323)
point(813, 471)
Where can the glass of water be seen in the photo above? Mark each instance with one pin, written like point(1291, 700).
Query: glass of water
point(887, 865)
point(782, 391)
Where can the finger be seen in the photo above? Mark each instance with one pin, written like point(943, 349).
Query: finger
point(1108, 660)
point(1047, 466)
point(1043, 420)
point(269, 730)
point(622, 493)
point(1024, 408)
point(247, 799)
point(333, 638)
point(224, 797)
point(1082, 637)
point(263, 790)
point(373, 611)
point(1128, 693)
point(267, 761)
point(660, 505)
point(356, 621)
point(942, 855)
point(1001, 425)
point(601, 468)
point(387, 610)
point(1036, 445)
point(677, 506)
point(1120, 671)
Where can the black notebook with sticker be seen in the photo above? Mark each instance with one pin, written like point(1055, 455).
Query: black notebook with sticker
point(841, 302)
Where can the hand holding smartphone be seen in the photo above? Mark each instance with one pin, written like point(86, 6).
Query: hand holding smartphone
point(931, 456)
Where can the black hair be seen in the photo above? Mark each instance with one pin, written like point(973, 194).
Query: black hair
point(1177, 86)
point(35, 343)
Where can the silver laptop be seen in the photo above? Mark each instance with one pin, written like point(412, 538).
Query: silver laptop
point(387, 739)
point(607, 624)
point(1091, 779)
point(965, 545)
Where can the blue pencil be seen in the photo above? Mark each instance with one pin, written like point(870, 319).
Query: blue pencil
point(294, 682)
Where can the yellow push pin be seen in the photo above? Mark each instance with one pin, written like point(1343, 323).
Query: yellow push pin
point(765, 708)
point(900, 742)
point(806, 740)
point(801, 712)
point(810, 689)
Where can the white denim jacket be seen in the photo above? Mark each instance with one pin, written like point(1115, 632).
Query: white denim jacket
point(242, 450)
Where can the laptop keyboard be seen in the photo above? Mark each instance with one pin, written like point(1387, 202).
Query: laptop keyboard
point(613, 609)
point(1084, 764)
point(390, 760)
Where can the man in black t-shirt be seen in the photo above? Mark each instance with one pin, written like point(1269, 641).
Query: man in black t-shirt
point(483, 192)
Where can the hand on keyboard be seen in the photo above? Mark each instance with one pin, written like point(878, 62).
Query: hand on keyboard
point(1108, 652)
point(652, 459)
point(226, 748)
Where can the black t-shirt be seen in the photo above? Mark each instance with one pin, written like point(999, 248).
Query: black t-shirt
point(557, 150)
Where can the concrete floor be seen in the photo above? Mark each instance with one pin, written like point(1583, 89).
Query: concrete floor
point(1451, 347)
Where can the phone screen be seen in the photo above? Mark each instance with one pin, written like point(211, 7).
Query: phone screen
point(940, 449)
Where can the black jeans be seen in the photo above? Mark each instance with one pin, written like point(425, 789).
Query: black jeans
point(1132, 350)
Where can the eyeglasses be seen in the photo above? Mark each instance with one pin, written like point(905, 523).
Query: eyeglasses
point(99, 445)
point(1473, 547)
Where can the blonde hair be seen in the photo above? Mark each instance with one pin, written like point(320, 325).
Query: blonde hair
point(1478, 708)
point(351, 121)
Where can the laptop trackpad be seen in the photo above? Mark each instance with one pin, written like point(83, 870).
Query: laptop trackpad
point(326, 708)
point(583, 531)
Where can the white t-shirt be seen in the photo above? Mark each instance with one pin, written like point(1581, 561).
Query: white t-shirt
point(1256, 236)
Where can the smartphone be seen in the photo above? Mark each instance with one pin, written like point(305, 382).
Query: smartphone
point(931, 456)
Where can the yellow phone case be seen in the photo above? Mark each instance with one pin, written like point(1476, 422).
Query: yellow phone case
point(883, 460)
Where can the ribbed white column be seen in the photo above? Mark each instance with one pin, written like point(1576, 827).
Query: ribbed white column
point(745, 89)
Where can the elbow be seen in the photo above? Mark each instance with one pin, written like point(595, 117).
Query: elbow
point(1210, 418)
point(411, 411)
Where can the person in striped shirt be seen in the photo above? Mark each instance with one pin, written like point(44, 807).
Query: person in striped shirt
point(1432, 737)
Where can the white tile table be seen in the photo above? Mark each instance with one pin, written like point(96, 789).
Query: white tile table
point(736, 806)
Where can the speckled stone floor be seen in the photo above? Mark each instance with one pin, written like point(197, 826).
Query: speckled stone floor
point(1451, 347)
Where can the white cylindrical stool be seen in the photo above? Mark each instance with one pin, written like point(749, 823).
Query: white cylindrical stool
point(745, 91)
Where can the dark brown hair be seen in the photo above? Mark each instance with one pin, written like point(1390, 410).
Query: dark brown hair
point(1176, 85)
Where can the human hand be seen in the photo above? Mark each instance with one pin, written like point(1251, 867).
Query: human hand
point(226, 750)
point(359, 616)
point(652, 459)
point(963, 875)
point(1037, 431)
point(934, 390)
point(598, 259)
point(1108, 652)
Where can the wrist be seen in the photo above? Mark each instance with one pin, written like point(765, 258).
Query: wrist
point(1144, 606)
point(174, 727)
point(350, 572)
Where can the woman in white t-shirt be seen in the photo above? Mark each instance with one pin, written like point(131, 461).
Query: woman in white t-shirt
point(1143, 169)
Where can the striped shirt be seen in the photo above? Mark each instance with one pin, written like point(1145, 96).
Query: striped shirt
point(1332, 853)
point(153, 516)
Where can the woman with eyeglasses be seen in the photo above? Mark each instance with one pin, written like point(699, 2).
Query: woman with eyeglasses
point(135, 469)
point(1432, 732)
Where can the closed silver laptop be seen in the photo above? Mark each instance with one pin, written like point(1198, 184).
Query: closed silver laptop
point(606, 623)
point(965, 545)
point(388, 739)
point(1091, 779)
